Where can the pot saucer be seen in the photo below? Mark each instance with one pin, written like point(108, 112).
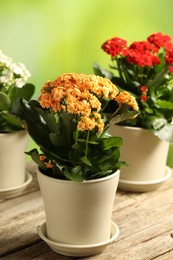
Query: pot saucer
point(144, 186)
point(15, 191)
point(78, 250)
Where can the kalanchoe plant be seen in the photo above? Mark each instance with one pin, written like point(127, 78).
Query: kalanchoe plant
point(145, 69)
point(69, 127)
point(13, 85)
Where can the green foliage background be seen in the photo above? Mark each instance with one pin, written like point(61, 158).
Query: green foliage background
point(56, 36)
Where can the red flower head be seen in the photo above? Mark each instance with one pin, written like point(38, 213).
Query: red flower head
point(142, 53)
point(170, 69)
point(144, 98)
point(160, 40)
point(115, 46)
point(144, 89)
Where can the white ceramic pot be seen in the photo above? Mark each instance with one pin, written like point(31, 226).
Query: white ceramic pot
point(78, 213)
point(12, 159)
point(145, 154)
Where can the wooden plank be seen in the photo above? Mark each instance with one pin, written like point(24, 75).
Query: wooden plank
point(167, 256)
point(36, 251)
point(19, 220)
point(145, 221)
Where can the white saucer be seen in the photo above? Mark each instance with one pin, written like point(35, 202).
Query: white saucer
point(78, 250)
point(15, 191)
point(144, 186)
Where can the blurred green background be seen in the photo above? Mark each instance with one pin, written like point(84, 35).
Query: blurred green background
point(55, 36)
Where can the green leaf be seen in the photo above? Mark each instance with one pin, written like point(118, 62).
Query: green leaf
point(25, 92)
point(165, 133)
point(98, 70)
point(121, 114)
point(110, 142)
point(108, 159)
point(75, 156)
point(164, 104)
point(4, 101)
point(74, 174)
point(36, 158)
point(158, 123)
point(37, 128)
point(50, 118)
point(13, 121)
point(86, 161)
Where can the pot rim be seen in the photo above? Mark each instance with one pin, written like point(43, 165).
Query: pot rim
point(134, 128)
point(15, 132)
point(78, 183)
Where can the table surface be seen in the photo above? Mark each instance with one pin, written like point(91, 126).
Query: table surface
point(145, 221)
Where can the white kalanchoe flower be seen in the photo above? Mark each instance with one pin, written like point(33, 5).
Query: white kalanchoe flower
point(20, 69)
point(12, 73)
point(7, 77)
point(19, 83)
point(5, 60)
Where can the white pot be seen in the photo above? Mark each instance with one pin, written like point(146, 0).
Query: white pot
point(12, 159)
point(78, 213)
point(145, 154)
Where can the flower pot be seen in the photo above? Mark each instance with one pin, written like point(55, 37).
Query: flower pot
point(12, 159)
point(78, 214)
point(146, 156)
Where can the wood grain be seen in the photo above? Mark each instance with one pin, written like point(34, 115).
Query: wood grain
point(145, 221)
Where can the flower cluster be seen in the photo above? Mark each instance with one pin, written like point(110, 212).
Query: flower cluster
point(145, 69)
point(12, 73)
point(13, 85)
point(78, 94)
point(68, 124)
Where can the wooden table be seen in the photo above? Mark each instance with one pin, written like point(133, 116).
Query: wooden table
point(145, 221)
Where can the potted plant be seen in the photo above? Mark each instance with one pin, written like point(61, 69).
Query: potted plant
point(78, 162)
point(13, 134)
point(145, 69)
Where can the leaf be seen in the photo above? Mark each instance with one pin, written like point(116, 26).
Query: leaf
point(164, 104)
point(25, 92)
point(4, 101)
point(98, 70)
point(123, 113)
point(108, 159)
point(37, 128)
point(74, 174)
point(158, 123)
point(51, 120)
point(86, 161)
point(110, 142)
point(36, 157)
point(13, 121)
point(75, 156)
point(165, 133)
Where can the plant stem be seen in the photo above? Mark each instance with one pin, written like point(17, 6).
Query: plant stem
point(86, 145)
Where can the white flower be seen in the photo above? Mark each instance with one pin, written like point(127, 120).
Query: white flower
point(21, 70)
point(19, 82)
point(5, 60)
point(12, 73)
point(7, 77)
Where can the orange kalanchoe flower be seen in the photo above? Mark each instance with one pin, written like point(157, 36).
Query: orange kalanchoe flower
point(125, 98)
point(80, 94)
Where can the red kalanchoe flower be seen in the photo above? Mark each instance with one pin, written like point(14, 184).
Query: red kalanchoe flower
point(144, 89)
point(169, 57)
point(141, 46)
point(142, 59)
point(147, 72)
point(160, 40)
point(142, 53)
point(115, 46)
point(170, 69)
point(144, 98)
